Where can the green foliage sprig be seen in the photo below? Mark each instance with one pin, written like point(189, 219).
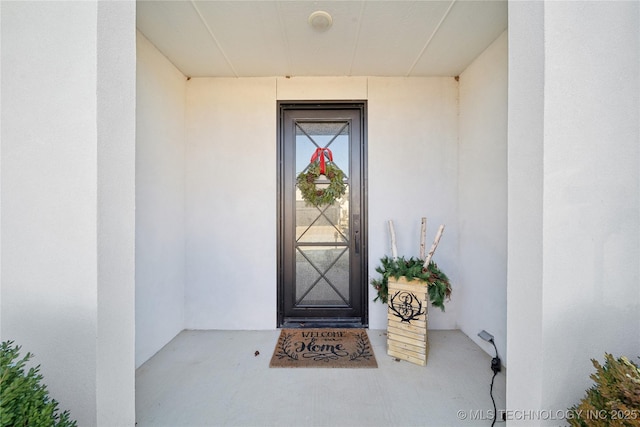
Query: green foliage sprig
point(614, 399)
point(24, 401)
point(315, 196)
point(439, 288)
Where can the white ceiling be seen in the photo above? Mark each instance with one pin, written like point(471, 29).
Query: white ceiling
point(367, 38)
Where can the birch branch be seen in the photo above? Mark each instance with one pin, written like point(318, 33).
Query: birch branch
point(394, 248)
point(423, 237)
point(434, 246)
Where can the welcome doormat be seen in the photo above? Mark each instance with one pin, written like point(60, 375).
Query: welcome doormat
point(323, 348)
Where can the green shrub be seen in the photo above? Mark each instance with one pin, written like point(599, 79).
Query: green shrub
point(24, 401)
point(614, 400)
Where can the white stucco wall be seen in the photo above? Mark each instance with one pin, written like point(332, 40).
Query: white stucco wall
point(574, 196)
point(231, 204)
point(116, 122)
point(0, 173)
point(160, 200)
point(49, 295)
point(591, 183)
point(482, 197)
point(67, 200)
point(413, 157)
point(525, 191)
point(231, 215)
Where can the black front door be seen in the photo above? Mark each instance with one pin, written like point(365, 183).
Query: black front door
point(322, 278)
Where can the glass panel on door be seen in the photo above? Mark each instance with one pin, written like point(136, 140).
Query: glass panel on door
point(322, 232)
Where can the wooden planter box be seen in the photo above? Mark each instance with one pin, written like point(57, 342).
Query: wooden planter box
point(407, 320)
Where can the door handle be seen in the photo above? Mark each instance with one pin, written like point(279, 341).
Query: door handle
point(356, 232)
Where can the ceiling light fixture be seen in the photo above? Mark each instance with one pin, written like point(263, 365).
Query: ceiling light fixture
point(320, 20)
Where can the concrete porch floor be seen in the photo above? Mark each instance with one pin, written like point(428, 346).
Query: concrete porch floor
point(214, 378)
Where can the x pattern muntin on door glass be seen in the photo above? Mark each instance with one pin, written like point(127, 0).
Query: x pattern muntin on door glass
point(322, 242)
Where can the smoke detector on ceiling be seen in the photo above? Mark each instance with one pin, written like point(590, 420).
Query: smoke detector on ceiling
point(320, 20)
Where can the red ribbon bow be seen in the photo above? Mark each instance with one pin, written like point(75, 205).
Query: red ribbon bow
point(320, 154)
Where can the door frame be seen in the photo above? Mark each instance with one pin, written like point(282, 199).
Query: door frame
point(283, 106)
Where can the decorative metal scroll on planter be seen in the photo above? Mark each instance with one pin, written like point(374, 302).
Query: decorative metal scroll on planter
point(406, 306)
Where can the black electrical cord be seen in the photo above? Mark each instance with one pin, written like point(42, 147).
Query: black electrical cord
point(496, 366)
point(495, 410)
